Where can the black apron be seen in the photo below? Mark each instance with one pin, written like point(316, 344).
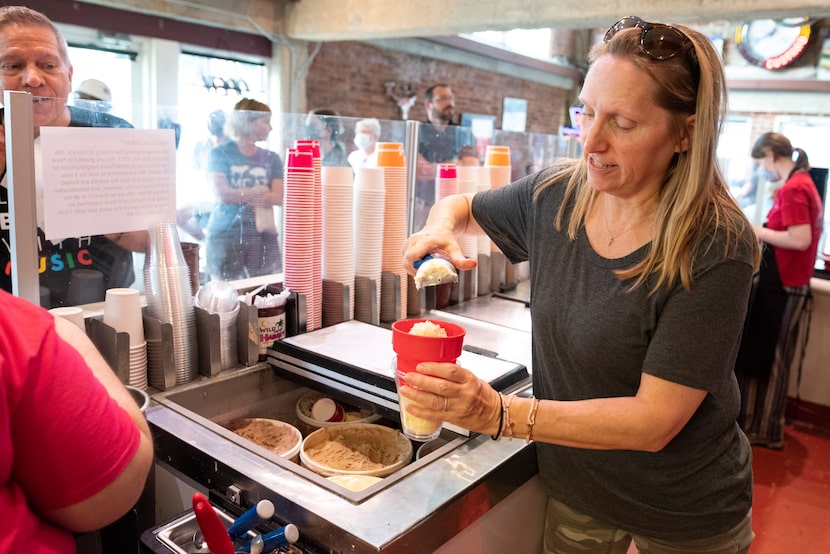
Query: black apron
point(767, 302)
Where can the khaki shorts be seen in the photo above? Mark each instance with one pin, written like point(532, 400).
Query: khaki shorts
point(568, 532)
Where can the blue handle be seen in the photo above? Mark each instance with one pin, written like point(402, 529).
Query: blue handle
point(418, 264)
point(285, 535)
point(273, 540)
point(262, 511)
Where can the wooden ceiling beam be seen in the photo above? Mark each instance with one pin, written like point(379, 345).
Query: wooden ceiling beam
point(332, 20)
point(324, 20)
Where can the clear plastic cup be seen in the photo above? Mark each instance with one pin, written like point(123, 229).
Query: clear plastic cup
point(412, 349)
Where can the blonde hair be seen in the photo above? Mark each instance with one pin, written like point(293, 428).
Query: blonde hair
point(694, 198)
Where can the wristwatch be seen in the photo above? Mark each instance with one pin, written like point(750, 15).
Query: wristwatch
point(773, 43)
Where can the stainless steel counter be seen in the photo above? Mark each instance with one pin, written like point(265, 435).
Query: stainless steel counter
point(428, 504)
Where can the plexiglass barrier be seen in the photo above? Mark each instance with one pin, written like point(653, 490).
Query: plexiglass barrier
point(242, 188)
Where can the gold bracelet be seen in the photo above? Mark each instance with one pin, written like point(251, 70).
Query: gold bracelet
point(531, 417)
point(508, 425)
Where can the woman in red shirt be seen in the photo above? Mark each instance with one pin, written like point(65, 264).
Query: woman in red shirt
point(780, 311)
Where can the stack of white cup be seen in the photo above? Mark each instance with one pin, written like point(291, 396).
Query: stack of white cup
point(73, 314)
point(122, 312)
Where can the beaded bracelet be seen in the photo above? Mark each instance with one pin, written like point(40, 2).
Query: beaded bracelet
point(531, 417)
point(497, 436)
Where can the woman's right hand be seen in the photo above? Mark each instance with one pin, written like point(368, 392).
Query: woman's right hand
point(428, 241)
point(450, 216)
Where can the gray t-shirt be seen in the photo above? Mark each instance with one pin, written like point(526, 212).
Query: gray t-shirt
point(593, 338)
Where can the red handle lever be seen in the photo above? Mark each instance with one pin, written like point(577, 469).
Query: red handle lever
point(216, 536)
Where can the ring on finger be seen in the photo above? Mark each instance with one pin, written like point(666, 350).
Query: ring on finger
point(446, 401)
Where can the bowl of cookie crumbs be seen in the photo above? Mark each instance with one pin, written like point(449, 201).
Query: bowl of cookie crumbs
point(356, 449)
point(279, 437)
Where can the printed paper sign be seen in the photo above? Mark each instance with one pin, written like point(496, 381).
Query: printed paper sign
point(98, 181)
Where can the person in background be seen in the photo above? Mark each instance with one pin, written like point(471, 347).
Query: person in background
point(216, 136)
point(441, 140)
point(94, 95)
point(779, 317)
point(635, 249)
point(166, 122)
point(193, 216)
point(366, 135)
point(34, 58)
point(75, 449)
point(242, 238)
point(324, 125)
point(747, 193)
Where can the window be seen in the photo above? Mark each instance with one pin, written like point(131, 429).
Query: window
point(534, 43)
point(113, 68)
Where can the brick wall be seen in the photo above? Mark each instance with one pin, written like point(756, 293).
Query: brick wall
point(350, 77)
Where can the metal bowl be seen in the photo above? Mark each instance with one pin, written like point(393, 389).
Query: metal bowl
point(141, 397)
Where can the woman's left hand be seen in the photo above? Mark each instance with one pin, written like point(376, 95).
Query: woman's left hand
point(448, 392)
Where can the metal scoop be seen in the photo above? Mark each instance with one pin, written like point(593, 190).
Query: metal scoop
point(433, 270)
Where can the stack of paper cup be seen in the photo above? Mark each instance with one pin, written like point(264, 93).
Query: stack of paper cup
point(468, 183)
point(73, 314)
point(122, 312)
point(338, 238)
point(299, 206)
point(314, 221)
point(446, 182)
point(391, 159)
point(497, 160)
point(483, 241)
point(369, 199)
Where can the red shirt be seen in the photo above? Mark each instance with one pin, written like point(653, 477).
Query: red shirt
point(62, 438)
point(797, 202)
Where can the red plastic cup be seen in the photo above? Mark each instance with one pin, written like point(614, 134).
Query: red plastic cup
point(414, 349)
point(308, 145)
point(447, 171)
point(298, 159)
point(410, 350)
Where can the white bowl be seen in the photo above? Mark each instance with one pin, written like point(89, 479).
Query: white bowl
point(380, 444)
point(353, 415)
point(355, 483)
point(289, 453)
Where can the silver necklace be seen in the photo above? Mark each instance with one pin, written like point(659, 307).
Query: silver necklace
point(611, 236)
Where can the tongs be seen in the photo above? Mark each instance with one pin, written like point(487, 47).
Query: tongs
point(433, 270)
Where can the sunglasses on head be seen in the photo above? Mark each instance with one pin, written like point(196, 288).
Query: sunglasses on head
point(659, 41)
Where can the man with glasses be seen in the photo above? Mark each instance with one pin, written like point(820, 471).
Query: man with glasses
point(441, 140)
